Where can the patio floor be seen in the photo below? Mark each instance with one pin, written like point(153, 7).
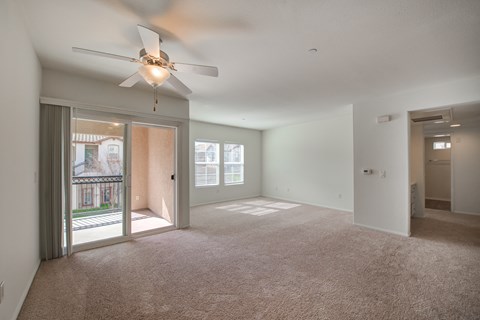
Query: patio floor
point(109, 225)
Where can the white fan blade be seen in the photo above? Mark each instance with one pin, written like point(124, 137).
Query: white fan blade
point(177, 84)
point(130, 81)
point(195, 68)
point(104, 54)
point(151, 41)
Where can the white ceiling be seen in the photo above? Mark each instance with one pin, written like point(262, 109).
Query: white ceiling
point(267, 78)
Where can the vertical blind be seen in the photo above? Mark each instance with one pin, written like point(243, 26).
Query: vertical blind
point(55, 142)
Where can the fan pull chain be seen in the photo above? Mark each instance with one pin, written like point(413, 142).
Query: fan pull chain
point(155, 99)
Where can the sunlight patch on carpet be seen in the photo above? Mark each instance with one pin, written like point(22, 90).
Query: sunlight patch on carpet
point(259, 207)
point(259, 211)
point(282, 205)
point(259, 203)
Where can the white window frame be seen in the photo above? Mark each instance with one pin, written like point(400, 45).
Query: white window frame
point(441, 145)
point(215, 163)
point(115, 156)
point(240, 163)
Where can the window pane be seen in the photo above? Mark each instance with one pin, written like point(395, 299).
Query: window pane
point(439, 145)
point(206, 163)
point(233, 163)
point(200, 156)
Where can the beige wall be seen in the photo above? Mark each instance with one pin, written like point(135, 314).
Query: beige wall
point(466, 168)
point(252, 141)
point(19, 214)
point(152, 167)
point(311, 162)
point(139, 168)
point(437, 171)
point(160, 168)
point(417, 166)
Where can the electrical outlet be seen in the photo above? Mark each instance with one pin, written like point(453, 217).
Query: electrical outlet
point(2, 290)
point(137, 198)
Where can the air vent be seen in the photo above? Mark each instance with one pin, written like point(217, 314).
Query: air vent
point(430, 118)
point(433, 115)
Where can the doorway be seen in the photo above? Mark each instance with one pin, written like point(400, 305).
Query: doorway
point(444, 152)
point(152, 172)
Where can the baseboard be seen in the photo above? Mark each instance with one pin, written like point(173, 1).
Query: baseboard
point(308, 203)
point(469, 213)
point(25, 292)
point(383, 230)
point(438, 199)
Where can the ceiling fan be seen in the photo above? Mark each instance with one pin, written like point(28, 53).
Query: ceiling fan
point(155, 65)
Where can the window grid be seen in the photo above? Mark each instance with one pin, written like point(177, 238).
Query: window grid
point(233, 157)
point(440, 145)
point(207, 164)
point(113, 152)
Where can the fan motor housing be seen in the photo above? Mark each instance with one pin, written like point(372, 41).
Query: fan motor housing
point(145, 57)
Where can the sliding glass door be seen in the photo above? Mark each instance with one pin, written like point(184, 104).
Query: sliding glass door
point(122, 180)
point(98, 166)
point(152, 177)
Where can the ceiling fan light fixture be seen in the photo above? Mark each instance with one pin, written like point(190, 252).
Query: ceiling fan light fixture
point(154, 75)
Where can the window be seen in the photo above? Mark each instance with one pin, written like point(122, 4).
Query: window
point(206, 164)
point(439, 145)
point(91, 157)
point(87, 197)
point(106, 194)
point(233, 163)
point(112, 152)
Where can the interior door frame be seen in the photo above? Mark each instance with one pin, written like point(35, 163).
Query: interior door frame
point(128, 120)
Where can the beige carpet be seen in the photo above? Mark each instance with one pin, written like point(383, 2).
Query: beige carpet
point(254, 261)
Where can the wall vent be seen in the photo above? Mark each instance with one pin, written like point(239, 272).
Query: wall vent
point(434, 115)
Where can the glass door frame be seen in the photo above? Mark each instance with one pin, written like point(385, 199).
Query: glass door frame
point(128, 192)
point(128, 121)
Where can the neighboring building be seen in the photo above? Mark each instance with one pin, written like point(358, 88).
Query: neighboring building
point(97, 166)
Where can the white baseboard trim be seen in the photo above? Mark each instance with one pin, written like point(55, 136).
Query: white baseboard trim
point(438, 199)
point(25, 292)
point(469, 213)
point(382, 230)
point(308, 203)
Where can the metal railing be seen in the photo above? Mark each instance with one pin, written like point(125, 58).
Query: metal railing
point(95, 195)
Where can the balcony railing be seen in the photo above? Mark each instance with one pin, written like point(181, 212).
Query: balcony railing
point(95, 195)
